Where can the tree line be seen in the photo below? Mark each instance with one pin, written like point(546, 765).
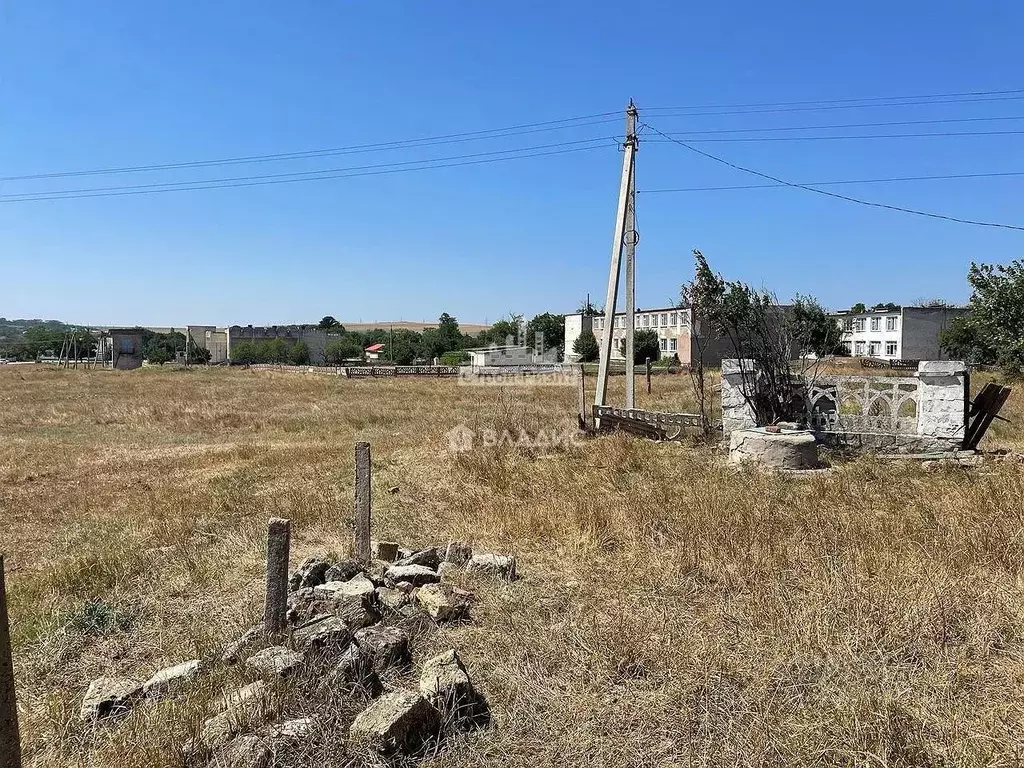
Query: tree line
point(446, 343)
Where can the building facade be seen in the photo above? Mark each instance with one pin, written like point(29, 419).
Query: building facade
point(678, 334)
point(909, 333)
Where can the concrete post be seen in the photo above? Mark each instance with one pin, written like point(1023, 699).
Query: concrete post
point(361, 546)
point(942, 401)
point(581, 395)
point(736, 411)
point(648, 375)
point(275, 609)
point(10, 740)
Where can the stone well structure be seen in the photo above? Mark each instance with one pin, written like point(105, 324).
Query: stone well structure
point(789, 449)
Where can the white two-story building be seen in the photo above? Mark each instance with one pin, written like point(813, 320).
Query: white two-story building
point(909, 333)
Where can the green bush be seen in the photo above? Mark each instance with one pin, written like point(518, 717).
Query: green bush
point(299, 354)
point(586, 346)
point(457, 357)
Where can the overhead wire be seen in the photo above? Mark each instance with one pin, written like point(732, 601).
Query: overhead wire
point(888, 180)
point(453, 138)
point(379, 169)
point(835, 195)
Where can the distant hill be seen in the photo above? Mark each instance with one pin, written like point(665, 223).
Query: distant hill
point(470, 328)
point(13, 331)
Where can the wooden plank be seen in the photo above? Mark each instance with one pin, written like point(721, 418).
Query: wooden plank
point(984, 418)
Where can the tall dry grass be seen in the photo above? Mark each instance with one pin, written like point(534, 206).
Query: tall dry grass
point(672, 611)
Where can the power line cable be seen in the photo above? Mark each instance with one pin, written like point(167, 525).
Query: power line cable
point(834, 183)
point(886, 124)
point(836, 195)
point(962, 94)
point(831, 107)
point(453, 138)
point(755, 139)
point(229, 183)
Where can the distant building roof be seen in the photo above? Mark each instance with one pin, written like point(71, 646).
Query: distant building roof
point(375, 348)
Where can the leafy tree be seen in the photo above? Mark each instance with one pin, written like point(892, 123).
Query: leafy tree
point(448, 330)
point(404, 346)
point(456, 357)
point(299, 353)
point(327, 323)
point(994, 330)
point(159, 354)
point(552, 327)
point(432, 344)
point(645, 344)
point(858, 308)
point(506, 329)
point(275, 351)
point(587, 309)
point(812, 329)
point(888, 307)
point(586, 346)
point(344, 349)
point(963, 340)
point(243, 353)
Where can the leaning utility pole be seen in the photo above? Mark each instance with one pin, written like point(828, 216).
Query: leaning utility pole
point(624, 239)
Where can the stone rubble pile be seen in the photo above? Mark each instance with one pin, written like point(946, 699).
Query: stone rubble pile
point(346, 628)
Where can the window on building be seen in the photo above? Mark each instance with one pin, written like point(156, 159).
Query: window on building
point(858, 348)
point(848, 324)
point(647, 321)
point(673, 319)
point(890, 349)
point(859, 324)
point(848, 346)
point(874, 348)
point(664, 345)
point(876, 323)
point(664, 318)
point(672, 345)
point(890, 323)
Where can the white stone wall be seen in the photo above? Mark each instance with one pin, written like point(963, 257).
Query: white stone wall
point(941, 401)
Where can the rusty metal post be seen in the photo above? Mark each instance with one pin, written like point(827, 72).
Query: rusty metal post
point(361, 542)
point(275, 609)
point(581, 396)
point(10, 739)
point(648, 375)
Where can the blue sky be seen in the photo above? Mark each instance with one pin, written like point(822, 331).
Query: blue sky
point(118, 83)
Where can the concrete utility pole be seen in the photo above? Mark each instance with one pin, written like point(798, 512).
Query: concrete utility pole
point(624, 239)
point(275, 608)
point(10, 742)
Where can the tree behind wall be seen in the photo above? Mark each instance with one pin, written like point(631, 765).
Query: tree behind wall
point(993, 332)
point(586, 347)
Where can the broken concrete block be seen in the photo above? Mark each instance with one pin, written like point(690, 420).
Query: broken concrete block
point(441, 603)
point(398, 722)
point(357, 586)
point(246, 751)
point(250, 639)
point(445, 682)
point(391, 600)
point(310, 573)
point(322, 634)
point(275, 661)
point(355, 668)
point(292, 730)
point(458, 553)
point(385, 646)
point(414, 574)
point(238, 709)
point(343, 571)
point(109, 696)
point(384, 550)
point(427, 557)
point(169, 678)
point(495, 566)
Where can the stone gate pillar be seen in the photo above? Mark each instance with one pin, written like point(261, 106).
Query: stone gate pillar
point(736, 412)
point(942, 401)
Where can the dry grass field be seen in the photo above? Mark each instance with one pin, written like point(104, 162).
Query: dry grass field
point(672, 611)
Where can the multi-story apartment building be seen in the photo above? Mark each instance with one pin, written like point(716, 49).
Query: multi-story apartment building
point(674, 326)
point(909, 333)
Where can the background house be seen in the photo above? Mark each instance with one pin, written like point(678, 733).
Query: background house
point(906, 333)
